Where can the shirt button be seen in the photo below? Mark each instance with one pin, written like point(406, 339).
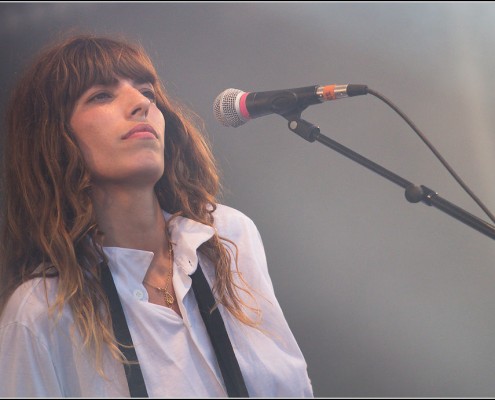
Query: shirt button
point(138, 294)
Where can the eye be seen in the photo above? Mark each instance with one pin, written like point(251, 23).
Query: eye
point(150, 94)
point(100, 96)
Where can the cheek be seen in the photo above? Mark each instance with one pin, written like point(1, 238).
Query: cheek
point(91, 141)
point(158, 120)
point(86, 137)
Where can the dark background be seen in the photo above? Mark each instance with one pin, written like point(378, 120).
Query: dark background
point(385, 298)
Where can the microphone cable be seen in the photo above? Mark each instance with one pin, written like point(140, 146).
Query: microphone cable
point(435, 152)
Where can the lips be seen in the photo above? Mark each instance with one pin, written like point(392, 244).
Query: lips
point(140, 130)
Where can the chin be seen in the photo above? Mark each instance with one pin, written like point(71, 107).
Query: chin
point(150, 175)
point(144, 175)
point(147, 165)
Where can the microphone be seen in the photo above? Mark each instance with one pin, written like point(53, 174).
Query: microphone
point(233, 107)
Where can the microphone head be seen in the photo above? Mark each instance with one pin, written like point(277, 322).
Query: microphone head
point(226, 108)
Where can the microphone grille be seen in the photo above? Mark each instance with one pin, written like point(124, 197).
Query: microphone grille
point(225, 108)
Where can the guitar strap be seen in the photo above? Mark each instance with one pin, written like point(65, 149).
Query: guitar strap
point(135, 380)
point(227, 361)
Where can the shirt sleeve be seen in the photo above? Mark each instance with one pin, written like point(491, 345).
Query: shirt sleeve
point(26, 366)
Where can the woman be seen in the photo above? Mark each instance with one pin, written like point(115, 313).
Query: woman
point(100, 165)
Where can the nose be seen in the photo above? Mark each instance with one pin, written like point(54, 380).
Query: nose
point(139, 104)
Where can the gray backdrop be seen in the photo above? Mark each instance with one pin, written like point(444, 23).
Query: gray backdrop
point(385, 298)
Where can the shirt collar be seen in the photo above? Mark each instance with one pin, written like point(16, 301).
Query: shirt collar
point(186, 236)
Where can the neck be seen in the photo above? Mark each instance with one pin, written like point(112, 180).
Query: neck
point(130, 218)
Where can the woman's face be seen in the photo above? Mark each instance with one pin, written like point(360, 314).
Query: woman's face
point(120, 132)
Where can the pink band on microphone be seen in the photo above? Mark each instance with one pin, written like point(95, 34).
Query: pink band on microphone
point(242, 107)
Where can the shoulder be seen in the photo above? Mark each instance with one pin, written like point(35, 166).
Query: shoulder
point(245, 241)
point(29, 304)
point(233, 224)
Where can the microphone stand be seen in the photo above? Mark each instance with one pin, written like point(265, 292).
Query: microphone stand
point(413, 193)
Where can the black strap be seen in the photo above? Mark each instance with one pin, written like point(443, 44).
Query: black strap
point(135, 380)
point(229, 366)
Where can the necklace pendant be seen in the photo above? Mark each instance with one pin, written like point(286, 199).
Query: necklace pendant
point(169, 299)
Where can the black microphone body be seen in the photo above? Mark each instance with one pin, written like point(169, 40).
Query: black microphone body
point(281, 102)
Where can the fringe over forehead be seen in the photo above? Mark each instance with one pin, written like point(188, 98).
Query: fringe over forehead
point(85, 61)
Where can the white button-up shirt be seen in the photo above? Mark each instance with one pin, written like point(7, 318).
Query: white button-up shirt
point(39, 358)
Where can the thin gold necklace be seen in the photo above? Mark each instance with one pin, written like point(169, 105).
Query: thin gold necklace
point(167, 296)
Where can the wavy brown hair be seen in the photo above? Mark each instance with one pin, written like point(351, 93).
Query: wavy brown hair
point(48, 217)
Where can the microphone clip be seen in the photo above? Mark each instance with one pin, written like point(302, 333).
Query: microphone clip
point(303, 128)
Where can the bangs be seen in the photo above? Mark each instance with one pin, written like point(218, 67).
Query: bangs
point(97, 61)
